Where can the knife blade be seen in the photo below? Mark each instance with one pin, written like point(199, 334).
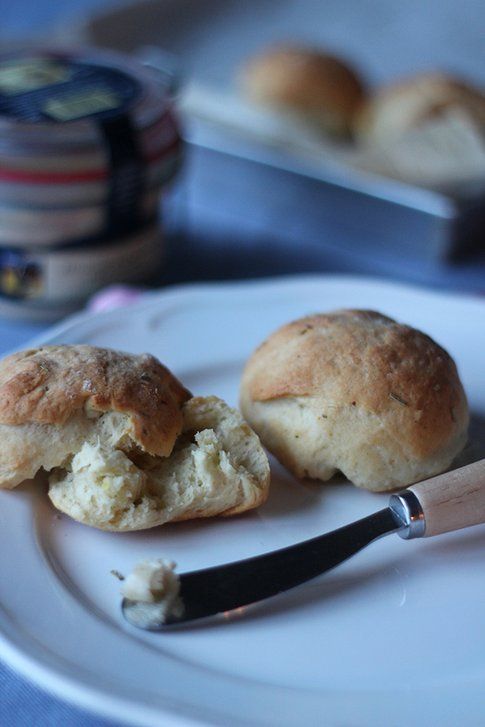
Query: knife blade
point(219, 589)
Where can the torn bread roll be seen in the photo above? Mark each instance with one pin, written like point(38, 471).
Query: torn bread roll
point(317, 87)
point(356, 392)
point(125, 445)
point(408, 105)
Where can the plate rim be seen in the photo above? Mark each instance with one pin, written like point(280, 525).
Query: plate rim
point(171, 292)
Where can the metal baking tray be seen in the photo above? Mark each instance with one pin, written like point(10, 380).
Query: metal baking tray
point(246, 185)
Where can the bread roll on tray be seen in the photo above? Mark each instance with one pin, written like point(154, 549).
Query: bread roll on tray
point(404, 106)
point(320, 89)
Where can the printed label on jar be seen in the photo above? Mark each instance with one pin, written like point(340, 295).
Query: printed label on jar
point(75, 273)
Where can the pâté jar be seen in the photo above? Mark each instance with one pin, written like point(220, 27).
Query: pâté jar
point(89, 141)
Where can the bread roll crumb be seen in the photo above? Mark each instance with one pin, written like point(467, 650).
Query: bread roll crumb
point(217, 468)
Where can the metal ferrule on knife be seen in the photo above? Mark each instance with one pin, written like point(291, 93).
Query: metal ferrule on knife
point(406, 507)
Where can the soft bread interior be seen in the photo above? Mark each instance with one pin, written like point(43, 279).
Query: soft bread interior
point(217, 467)
point(54, 446)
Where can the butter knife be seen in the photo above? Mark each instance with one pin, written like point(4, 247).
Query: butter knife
point(448, 502)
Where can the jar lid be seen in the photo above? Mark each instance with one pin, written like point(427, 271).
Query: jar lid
point(66, 117)
point(87, 140)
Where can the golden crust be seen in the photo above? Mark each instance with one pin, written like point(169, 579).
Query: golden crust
point(315, 84)
point(51, 384)
point(362, 361)
point(406, 104)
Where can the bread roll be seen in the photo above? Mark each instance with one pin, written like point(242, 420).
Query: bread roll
point(125, 445)
point(406, 105)
point(319, 88)
point(356, 392)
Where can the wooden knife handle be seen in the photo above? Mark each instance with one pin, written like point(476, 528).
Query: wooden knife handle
point(453, 500)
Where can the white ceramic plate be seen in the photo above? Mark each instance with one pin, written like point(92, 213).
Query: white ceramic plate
point(395, 636)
